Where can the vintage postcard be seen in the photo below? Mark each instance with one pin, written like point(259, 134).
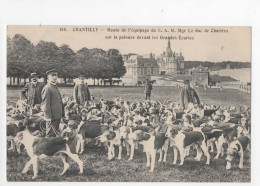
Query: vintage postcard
point(128, 103)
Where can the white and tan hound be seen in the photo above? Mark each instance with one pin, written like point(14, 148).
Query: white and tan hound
point(182, 141)
point(39, 147)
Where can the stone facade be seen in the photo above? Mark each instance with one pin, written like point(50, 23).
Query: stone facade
point(139, 68)
point(200, 75)
point(171, 63)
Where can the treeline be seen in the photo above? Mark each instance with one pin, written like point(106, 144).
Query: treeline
point(23, 58)
point(218, 65)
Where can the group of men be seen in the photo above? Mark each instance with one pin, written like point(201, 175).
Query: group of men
point(50, 99)
point(188, 94)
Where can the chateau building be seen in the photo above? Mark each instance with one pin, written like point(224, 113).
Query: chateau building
point(139, 68)
point(200, 75)
point(171, 63)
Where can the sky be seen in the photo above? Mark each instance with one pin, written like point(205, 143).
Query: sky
point(214, 44)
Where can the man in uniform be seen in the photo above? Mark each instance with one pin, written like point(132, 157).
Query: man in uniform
point(52, 104)
point(32, 91)
point(81, 92)
point(188, 95)
point(148, 89)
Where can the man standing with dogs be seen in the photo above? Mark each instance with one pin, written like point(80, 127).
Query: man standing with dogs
point(148, 89)
point(188, 95)
point(52, 104)
point(81, 92)
point(32, 91)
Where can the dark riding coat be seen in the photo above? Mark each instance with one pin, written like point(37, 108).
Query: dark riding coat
point(52, 102)
point(189, 95)
point(32, 92)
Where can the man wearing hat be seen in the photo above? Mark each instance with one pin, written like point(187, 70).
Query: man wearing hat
point(52, 104)
point(32, 91)
point(188, 95)
point(148, 89)
point(81, 92)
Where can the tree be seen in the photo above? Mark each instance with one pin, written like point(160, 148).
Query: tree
point(217, 65)
point(23, 58)
point(84, 63)
point(9, 59)
point(97, 63)
point(47, 56)
point(66, 63)
point(20, 52)
point(116, 64)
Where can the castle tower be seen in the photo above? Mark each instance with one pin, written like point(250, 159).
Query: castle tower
point(171, 63)
point(169, 52)
point(181, 60)
point(172, 66)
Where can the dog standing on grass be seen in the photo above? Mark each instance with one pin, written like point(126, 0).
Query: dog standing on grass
point(181, 142)
point(237, 148)
point(39, 147)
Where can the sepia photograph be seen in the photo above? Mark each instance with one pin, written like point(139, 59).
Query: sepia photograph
point(88, 103)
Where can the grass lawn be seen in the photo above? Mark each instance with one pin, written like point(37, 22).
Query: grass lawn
point(98, 168)
point(218, 97)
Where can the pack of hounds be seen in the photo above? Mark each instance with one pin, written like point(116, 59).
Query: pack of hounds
point(157, 126)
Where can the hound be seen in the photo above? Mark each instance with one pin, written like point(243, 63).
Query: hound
point(12, 130)
point(237, 147)
point(117, 138)
point(87, 131)
point(39, 147)
point(133, 139)
point(151, 143)
point(226, 135)
point(183, 140)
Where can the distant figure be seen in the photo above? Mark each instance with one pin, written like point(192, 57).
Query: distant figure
point(81, 92)
point(32, 91)
point(188, 95)
point(52, 104)
point(148, 89)
point(210, 84)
